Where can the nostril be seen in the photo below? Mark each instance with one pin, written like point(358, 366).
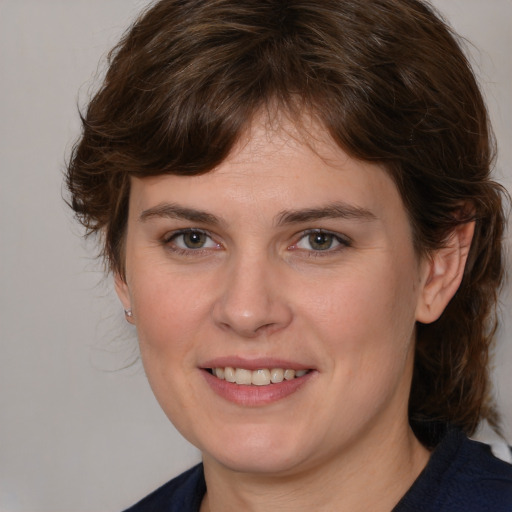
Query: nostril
point(250, 304)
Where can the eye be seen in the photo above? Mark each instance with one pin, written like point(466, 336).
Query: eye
point(319, 240)
point(191, 239)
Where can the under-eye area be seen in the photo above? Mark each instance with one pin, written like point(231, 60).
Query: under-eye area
point(259, 377)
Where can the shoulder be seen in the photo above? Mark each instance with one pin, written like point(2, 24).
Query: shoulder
point(484, 476)
point(182, 494)
point(461, 476)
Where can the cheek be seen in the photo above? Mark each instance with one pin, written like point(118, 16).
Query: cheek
point(169, 309)
point(381, 299)
point(168, 320)
point(368, 317)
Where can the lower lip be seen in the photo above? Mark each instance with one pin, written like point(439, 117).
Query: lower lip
point(254, 396)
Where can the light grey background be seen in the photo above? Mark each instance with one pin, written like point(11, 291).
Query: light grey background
point(76, 435)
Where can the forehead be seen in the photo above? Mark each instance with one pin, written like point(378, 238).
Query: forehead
point(277, 165)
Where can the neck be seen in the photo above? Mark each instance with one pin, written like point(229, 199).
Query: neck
point(370, 477)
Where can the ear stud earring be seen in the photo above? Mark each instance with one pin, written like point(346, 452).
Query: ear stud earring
point(128, 313)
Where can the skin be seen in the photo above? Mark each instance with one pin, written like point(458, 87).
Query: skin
point(257, 286)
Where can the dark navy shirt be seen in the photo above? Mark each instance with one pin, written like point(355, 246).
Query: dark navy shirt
point(461, 476)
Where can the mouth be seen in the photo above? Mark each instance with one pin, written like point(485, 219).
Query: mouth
point(259, 377)
point(255, 383)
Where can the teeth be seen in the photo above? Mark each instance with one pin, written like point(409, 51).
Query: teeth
point(229, 374)
point(289, 374)
point(243, 376)
point(276, 375)
point(261, 377)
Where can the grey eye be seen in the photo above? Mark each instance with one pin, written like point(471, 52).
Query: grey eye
point(321, 241)
point(194, 239)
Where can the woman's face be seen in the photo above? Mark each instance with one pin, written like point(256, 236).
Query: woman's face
point(286, 257)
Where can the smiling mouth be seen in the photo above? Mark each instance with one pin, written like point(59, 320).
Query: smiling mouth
point(260, 377)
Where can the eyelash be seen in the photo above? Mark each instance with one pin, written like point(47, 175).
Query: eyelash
point(169, 242)
point(343, 241)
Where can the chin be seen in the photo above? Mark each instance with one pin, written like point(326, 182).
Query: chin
point(256, 462)
point(257, 451)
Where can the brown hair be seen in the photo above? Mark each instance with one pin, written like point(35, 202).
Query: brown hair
point(389, 82)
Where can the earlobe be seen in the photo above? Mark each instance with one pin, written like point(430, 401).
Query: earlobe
point(124, 296)
point(443, 272)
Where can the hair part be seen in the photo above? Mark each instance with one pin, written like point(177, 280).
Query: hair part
point(390, 84)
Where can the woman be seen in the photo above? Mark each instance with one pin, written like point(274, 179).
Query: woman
point(295, 201)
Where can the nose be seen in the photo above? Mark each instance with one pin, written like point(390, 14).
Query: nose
point(251, 302)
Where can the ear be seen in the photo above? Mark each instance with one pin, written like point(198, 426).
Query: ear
point(124, 295)
point(443, 272)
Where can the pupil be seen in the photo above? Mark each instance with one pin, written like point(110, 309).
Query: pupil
point(320, 241)
point(194, 239)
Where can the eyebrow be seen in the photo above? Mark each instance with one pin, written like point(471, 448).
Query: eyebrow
point(174, 211)
point(338, 210)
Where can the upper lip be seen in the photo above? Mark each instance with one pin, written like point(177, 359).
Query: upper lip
point(253, 364)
